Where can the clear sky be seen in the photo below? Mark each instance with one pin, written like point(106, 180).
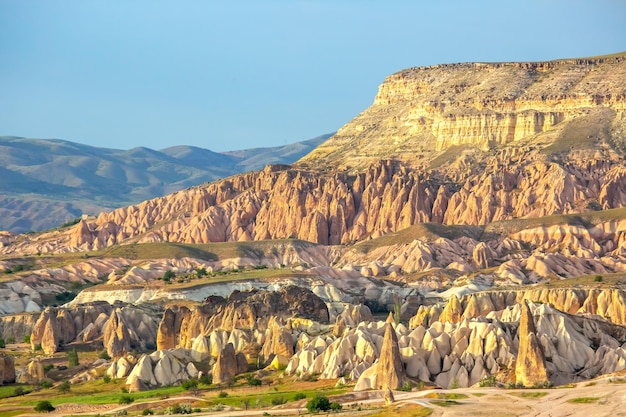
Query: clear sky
point(230, 74)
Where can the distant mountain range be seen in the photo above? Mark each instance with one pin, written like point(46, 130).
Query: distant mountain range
point(46, 182)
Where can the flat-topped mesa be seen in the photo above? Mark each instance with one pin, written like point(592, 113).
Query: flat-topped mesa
point(428, 109)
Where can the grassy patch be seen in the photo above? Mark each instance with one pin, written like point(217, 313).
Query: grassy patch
point(583, 400)
point(445, 403)
point(422, 231)
point(206, 251)
point(530, 394)
point(7, 391)
point(410, 410)
point(479, 394)
point(446, 396)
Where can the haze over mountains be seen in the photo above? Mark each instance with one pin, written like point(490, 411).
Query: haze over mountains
point(46, 182)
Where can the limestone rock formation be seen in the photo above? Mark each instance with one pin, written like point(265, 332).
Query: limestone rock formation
point(242, 310)
point(7, 369)
point(46, 332)
point(160, 368)
point(426, 109)
point(530, 365)
point(388, 373)
point(278, 341)
point(226, 366)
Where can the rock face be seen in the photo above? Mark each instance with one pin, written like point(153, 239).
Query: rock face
point(46, 333)
point(609, 303)
point(242, 310)
point(428, 109)
point(120, 328)
point(116, 335)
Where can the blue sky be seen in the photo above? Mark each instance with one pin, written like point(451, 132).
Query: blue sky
point(228, 75)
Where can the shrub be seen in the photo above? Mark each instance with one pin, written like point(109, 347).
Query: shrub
point(44, 406)
point(147, 412)
point(206, 379)
point(126, 399)
point(255, 382)
point(201, 272)
point(65, 296)
point(278, 400)
point(407, 386)
point(489, 381)
point(37, 346)
point(299, 396)
point(222, 394)
point(167, 277)
point(64, 387)
point(106, 379)
point(598, 278)
point(26, 339)
point(318, 403)
point(179, 409)
point(190, 384)
point(17, 391)
point(47, 367)
point(2, 343)
point(335, 406)
point(45, 384)
point(104, 355)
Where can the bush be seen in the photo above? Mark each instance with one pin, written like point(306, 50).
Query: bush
point(45, 384)
point(47, 367)
point(598, 278)
point(222, 394)
point(299, 396)
point(278, 400)
point(65, 296)
point(335, 407)
point(104, 355)
point(44, 407)
point(2, 343)
point(201, 272)
point(407, 386)
point(106, 379)
point(255, 382)
point(64, 387)
point(37, 346)
point(489, 381)
point(167, 277)
point(190, 384)
point(26, 339)
point(126, 399)
point(179, 409)
point(17, 391)
point(147, 412)
point(317, 404)
point(206, 379)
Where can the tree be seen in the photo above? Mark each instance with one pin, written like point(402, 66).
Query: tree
point(72, 357)
point(318, 403)
point(44, 407)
